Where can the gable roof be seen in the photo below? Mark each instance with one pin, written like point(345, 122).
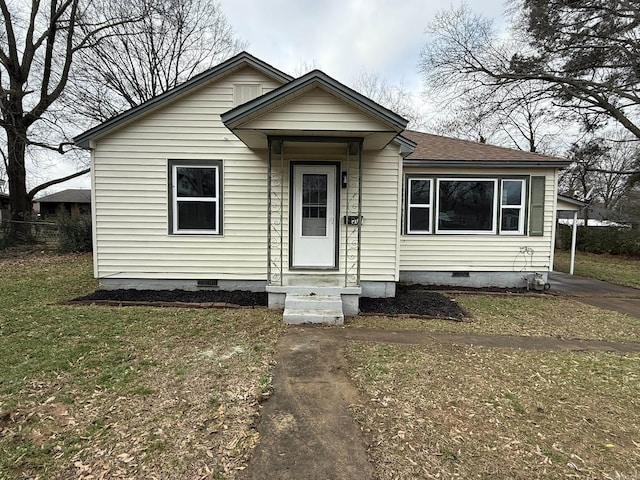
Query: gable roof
point(438, 150)
point(241, 60)
point(313, 79)
point(384, 124)
point(71, 195)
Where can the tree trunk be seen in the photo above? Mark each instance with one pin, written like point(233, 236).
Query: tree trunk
point(19, 201)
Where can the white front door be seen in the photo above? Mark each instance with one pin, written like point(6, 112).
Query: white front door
point(313, 212)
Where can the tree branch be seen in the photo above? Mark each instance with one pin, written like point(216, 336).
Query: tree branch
point(39, 188)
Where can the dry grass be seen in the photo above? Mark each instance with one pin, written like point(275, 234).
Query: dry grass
point(610, 268)
point(100, 392)
point(544, 316)
point(456, 411)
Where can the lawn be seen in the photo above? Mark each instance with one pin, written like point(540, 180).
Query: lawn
point(519, 314)
point(92, 392)
point(462, 411)
point(611, 268)
point(137, 392)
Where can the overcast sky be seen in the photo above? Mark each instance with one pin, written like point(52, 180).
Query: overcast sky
point(343, 38)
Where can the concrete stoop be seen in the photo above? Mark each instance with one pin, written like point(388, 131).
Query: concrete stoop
point(319, 303)
point(313, 308)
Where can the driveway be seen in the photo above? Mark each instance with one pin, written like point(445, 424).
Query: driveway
point(597, 293)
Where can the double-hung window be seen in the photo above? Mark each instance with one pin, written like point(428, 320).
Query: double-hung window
point(419, 201)
point(512, 203)
point(195, 197)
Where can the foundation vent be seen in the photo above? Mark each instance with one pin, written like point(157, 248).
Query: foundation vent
point(207, 284)
point(460, 274)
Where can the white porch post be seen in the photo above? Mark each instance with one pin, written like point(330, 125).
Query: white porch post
point(573, 241)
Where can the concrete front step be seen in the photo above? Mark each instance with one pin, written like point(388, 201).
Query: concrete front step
point(325, 309)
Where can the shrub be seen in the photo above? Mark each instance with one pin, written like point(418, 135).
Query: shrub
point(613, 240)
point(74, 233)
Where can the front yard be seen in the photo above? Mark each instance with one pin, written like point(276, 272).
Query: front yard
point(610, 268)
point(138, 392)
point(100, 392)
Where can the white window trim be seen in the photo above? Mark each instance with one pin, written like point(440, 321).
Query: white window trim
point(520, 207)
point(174, 199)
point(493, 230)
point(419, 205)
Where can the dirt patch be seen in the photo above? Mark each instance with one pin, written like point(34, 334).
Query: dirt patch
point(415, 300)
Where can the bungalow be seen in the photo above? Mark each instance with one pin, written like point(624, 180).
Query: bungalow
point(246, 178)
point(74, 201)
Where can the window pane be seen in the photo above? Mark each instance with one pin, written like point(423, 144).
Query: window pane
point(510, 219)
point(196, 182)
point(314, 205)
point(466, 205)
point(512, 192)
point(197, 216)
point(420, 191)
point(419, 219)
point(314, 189)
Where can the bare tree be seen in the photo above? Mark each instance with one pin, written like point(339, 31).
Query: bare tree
point(174, 41)
point(38, 44)
point(584, 54)
point(602, 170)
point(395, 97)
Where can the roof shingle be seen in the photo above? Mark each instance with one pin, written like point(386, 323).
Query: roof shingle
point(447, 149)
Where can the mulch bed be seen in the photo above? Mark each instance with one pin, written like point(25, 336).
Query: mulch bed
point(413, 300)
point(409, 301)
point(228, 298)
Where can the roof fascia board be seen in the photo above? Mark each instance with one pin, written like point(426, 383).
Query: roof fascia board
point(573, 201)
point(407, 146)
point(485, 163)
point(236, 115)
point(84, 139)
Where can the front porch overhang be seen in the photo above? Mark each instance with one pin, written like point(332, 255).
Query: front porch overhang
point(258, 139)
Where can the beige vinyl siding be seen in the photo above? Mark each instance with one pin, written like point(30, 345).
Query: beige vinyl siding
point(132, 193)
point(482, 252)
point(315, 110)
point(380, 197)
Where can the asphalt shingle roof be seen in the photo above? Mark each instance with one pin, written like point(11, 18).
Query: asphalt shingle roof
point(437, 147)
point(72, 195)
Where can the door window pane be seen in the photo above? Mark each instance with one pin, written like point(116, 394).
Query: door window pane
point(314, 205)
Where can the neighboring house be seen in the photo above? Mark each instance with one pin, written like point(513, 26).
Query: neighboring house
point(72, 201)
point(597, 216)
point(245, 177)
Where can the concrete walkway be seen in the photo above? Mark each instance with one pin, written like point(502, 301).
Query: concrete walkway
point(597, 293)
point(307, 431)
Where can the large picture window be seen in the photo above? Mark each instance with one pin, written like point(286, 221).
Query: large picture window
point(419, 200)
point(466, 205)
point(195, 197)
